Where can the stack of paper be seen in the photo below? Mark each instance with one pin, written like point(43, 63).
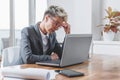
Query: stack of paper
point(28, 73)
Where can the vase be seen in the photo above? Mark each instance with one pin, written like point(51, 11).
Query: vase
point(108, 36)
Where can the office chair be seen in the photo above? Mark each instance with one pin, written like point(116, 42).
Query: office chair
point(10, 56)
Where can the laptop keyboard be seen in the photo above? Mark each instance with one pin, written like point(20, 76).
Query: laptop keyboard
point(54, 61)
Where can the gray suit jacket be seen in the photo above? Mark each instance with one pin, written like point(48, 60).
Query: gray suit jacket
point(31, 49)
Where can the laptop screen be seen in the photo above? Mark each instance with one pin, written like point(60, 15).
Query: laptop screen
point(76, 48)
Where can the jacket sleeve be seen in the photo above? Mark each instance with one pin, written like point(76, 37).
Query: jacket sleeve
point(26, 51)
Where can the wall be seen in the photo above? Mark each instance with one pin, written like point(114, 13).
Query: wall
point(79, 15)
point(113, 3)
point(97, 8)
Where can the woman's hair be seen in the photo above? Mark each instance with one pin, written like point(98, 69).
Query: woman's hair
point(56, 11)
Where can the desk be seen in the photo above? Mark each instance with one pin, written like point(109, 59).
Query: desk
point(99, 67)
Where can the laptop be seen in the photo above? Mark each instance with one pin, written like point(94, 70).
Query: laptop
point(75, 50)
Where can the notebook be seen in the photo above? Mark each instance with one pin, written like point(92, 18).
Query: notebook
point(75, 50)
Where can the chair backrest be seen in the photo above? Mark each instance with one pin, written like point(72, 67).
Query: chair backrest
point(10, 56)
point(5, 43)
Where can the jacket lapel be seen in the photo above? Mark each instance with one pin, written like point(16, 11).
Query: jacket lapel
point(39, 34)
point(50, 41)
point(50, 45)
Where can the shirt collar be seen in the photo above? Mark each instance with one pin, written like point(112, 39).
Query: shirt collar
point(43, 35)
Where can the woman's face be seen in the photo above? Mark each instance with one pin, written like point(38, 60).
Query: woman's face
point(52, 24)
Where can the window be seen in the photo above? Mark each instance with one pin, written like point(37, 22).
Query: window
point(4, 14)
point(4, 22)
point(15, 15)
point(21, 14)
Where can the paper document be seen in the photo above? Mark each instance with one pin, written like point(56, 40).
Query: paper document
point(28, 73)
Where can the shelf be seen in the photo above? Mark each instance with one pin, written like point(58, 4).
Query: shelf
point(106, 47)
point(107, 42)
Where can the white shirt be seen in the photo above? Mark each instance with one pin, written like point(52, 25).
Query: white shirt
point(45, 41)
